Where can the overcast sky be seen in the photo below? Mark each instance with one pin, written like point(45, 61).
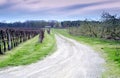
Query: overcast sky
point(21, 10)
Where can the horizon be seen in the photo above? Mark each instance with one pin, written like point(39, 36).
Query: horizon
point(23, 10)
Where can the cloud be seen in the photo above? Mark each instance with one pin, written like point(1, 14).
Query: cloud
point(87, 8)
point(56, 8)
point(36, 5)
point(105, 7)
point(60, 6)
point(85, 5)
point(2, 2)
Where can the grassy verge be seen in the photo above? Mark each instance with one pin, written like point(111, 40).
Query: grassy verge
point(28, 52)
point(107, 48)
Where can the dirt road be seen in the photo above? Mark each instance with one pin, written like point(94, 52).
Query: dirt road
point(71, 60)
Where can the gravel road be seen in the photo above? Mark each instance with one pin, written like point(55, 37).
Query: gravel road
point(71, 60)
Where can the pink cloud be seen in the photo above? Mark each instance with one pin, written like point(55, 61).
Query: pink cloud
point(2, 2)
point(51, 7)
point(36, 5)
point(86, 10)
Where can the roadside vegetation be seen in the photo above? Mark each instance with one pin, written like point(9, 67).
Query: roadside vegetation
point(107, 28)
point(104, 35)
point(109, 49)
point(29, 52)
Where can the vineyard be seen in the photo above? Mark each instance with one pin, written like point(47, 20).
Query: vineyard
point(59, 39)
point(12, 37)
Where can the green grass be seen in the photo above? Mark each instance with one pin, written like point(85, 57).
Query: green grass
point(29, 52)
point(106, 48)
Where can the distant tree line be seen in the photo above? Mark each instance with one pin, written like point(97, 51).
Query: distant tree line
point(108, 27)
point(29, 24)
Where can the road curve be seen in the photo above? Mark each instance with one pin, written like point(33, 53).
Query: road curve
point(71, 60)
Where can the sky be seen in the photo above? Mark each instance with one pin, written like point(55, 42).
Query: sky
point(22, 10)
